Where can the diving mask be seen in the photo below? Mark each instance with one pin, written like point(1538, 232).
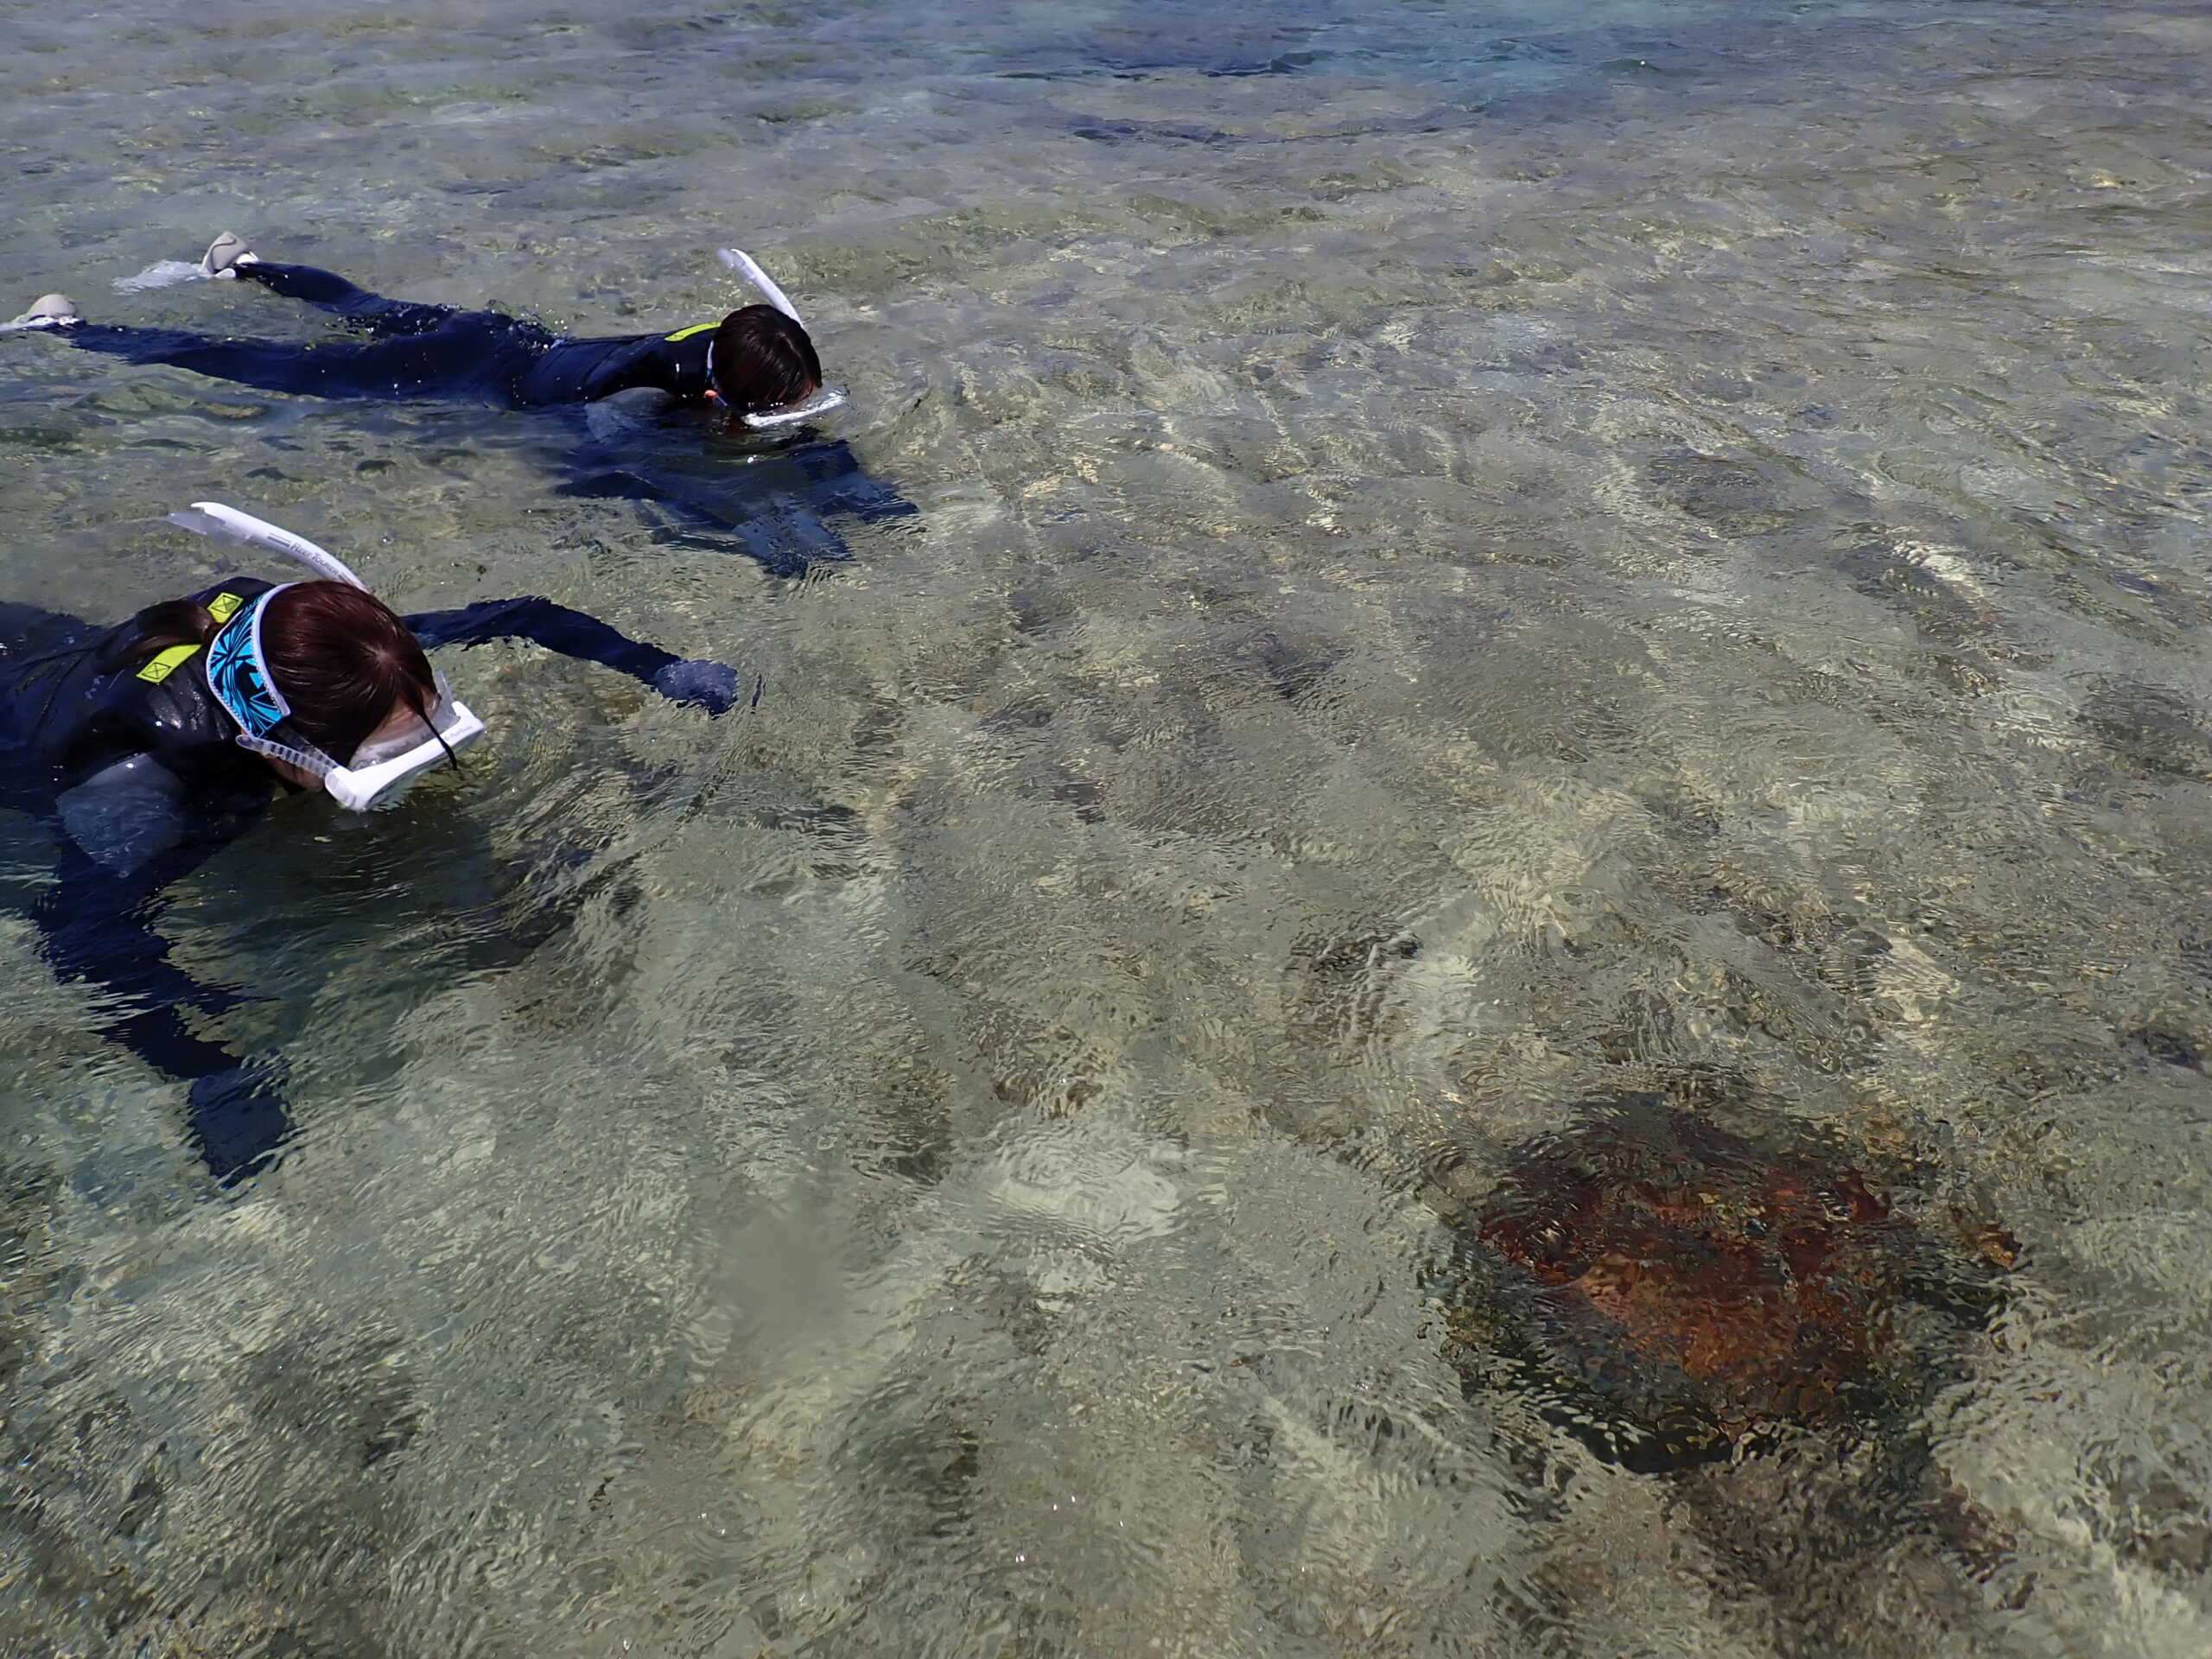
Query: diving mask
point(380, 770)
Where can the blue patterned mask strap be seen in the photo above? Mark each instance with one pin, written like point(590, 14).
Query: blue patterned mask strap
point(237, 673)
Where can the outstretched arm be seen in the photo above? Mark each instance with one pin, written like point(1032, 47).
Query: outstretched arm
point(97, 925)
point(713, 686)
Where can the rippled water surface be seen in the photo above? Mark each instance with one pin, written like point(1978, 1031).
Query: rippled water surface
point(1469, 560)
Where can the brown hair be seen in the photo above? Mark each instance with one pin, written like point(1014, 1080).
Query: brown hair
point(339, 656)
point(153, 630)
point(343, 660)
point(763, 360)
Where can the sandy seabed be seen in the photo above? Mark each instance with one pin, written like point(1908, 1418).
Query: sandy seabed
point(1467, 562)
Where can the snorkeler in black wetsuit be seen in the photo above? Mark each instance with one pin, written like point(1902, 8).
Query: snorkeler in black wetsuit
point(757, 364)
point(128, 741)
point(756, 361)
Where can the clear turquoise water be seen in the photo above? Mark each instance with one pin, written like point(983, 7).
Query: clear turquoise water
point(1468, 557)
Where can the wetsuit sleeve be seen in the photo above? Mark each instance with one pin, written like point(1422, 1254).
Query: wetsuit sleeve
point(97, 925)
point(711, 685)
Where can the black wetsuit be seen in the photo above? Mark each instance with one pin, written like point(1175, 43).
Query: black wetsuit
point(136, 767)
point(419, 350)
point(774, 499)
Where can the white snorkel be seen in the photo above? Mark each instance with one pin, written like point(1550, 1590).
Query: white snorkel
point(237, 675)
point(229, 525)
point(741, 263)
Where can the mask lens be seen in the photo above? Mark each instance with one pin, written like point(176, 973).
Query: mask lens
point(390, 746)
point(410, 733)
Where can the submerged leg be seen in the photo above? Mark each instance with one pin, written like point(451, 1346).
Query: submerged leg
point(783, 507)
point(372, 312)
point(96, 926)
point(238, 1120)
point(841, 487)
point(460, 358)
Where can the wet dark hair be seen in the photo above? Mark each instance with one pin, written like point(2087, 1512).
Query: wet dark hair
point(339, 656)
point(342, 659)
point(763, 360)
point(153, 630)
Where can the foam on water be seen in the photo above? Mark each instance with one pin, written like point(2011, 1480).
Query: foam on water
point(163, 273)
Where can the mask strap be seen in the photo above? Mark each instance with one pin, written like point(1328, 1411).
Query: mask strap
point(221, 666)
point(260, 658)
point(310, 760)
point(307, 759)
point(428, 713)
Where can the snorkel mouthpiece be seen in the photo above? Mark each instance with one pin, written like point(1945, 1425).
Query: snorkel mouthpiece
point(237, 674)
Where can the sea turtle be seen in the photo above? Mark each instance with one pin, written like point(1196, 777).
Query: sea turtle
point(1752, 1318)
point(1675, 1290)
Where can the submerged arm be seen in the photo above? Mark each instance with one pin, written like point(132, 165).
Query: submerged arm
point(781, 505)
point(713, 686)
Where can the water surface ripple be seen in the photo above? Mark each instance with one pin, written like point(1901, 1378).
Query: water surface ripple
point(1471, 560)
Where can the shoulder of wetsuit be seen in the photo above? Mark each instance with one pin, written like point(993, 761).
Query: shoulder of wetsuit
point(228, 597)
point(162, 706)
point(591, 369)
point(222, 602)
point(690, 346)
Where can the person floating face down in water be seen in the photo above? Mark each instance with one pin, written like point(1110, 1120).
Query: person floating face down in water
point(153, 744)
point(757, 364)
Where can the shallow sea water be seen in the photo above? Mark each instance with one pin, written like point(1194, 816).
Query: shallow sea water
point(1468, 558)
